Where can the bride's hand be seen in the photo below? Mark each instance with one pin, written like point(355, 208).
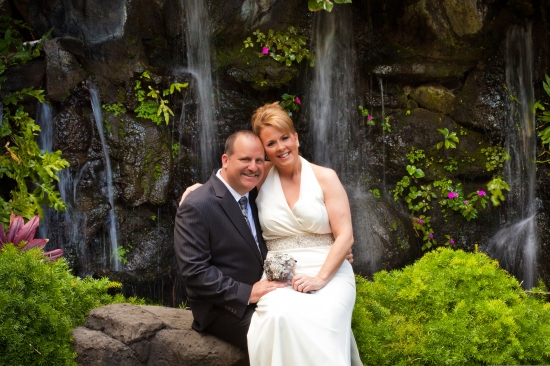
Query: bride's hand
point(303, 283)
point(189, 190)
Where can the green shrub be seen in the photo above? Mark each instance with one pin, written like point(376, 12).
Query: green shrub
point(40, 304)
point(450, 308)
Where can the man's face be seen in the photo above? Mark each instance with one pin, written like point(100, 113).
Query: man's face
point(245, 167)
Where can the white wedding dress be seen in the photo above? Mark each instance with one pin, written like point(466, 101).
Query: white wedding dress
point(290, 327)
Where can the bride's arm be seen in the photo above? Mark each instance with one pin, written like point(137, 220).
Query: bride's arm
point(336, 201)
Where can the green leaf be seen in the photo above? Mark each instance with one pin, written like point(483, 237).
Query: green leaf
point(444, 132)
point(418, 173)
point(546, 85)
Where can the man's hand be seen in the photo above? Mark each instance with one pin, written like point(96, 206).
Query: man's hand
point(189, 190)
point(349, 257)
point(263, 287)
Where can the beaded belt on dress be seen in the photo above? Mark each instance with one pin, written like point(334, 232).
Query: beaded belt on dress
point(300, 241)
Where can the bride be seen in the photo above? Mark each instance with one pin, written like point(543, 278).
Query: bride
point(303, 211)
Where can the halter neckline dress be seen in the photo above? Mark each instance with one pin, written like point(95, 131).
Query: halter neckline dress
point(290, 327)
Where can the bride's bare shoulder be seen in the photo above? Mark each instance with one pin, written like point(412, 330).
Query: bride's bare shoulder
point(325, 176)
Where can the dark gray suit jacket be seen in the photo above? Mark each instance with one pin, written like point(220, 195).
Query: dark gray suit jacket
point(216, 252)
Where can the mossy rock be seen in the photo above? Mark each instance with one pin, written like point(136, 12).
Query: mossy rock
point(433, 97)
point(261, 73)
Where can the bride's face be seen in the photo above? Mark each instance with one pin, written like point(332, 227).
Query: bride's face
point(281, 147)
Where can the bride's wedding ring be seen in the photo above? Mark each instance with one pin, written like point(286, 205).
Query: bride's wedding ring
point(301, 285)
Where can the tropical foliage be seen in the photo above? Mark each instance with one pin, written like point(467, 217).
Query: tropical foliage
point(450, 308)
point(285, 47)
point(41, 302)
point(21, 235)
point(29, 172)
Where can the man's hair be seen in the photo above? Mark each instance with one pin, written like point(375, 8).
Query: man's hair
point(230, 142)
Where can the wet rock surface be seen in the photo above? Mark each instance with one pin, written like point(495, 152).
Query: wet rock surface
point(125, 334)
point(63, 70)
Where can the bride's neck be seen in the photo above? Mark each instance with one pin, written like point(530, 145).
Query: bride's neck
point(290, 171)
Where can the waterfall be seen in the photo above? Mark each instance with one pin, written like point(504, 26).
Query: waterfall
point(65, 228)
point(45, 143)
point(515, 245)
point(199, 65)
point(98, 116)
point(44, 120)
point(332, 102)
point(337, 128)
point(382, 119)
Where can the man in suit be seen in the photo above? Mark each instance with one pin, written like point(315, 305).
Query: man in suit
point(219, 246)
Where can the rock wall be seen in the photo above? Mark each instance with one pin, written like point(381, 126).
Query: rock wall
point(441, 64)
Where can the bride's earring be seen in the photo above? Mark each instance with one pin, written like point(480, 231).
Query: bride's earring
point(297, 143)
point(266, 158)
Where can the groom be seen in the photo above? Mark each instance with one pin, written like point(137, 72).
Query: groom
point(219, 245)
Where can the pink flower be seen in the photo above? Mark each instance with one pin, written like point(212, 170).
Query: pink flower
point(465, 202)
point(481, 193)
point(452, 195)
point(369, 117)
point(298, 100)
point(265, 50)
point(452, 241)
point(419, 221)
point(431, 236)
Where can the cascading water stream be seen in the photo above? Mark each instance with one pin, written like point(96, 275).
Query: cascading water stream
point(98, 116)
point(515, 245)
point(199, 65)
point(381, 82)
point(336, 126)
point(62, 228)
point(332, 103)
point(44, 120)
point(45, 142)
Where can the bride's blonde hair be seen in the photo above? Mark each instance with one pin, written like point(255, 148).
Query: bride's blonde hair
point(272, 115)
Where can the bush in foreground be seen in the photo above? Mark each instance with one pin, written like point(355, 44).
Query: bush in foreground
point(41, 302)
point(450, 308)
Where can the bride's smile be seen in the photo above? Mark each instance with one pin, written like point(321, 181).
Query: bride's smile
point(281, 147)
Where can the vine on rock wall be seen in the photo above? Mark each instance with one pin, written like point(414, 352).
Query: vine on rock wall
point(419, 195)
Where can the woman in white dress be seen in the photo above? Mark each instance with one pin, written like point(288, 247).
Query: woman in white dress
point(303, 211)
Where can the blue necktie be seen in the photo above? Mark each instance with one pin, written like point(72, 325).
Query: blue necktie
point(243, 202)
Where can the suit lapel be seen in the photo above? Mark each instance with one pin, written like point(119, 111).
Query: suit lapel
point(232, 210)
point(263, 247)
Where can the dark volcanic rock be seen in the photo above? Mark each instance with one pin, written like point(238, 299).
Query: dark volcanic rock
point(63, 71)
point(145, 159)
point(29, 75)
point(74, 129)
point(483, 101)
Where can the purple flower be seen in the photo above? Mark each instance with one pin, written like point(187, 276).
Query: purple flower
point(452, 241)
point(369, 117)
point(431, 236)
point(265, 50)
point(419, 221)
point(298, 100)
point(452, 195)
point(481, 193)
point(465, 202)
